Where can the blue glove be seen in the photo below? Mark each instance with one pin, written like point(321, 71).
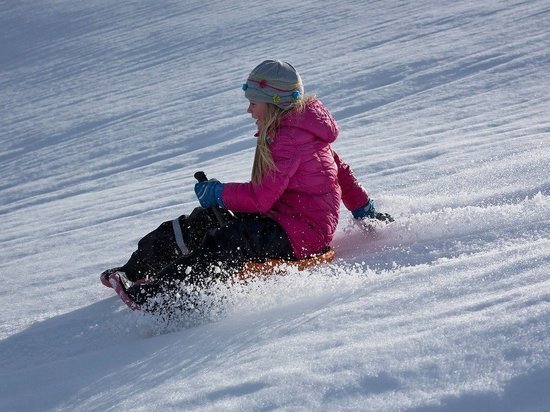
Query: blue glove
point(209, 193)
point(365, 211)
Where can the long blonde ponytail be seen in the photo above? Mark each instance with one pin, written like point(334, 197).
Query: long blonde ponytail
point(263, 161)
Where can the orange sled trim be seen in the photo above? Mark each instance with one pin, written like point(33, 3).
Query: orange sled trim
point(278, 266)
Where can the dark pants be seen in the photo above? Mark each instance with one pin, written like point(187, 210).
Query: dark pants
point(195, 251)
point(170, 241)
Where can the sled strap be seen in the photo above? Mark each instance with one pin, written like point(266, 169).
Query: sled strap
point(179, 236)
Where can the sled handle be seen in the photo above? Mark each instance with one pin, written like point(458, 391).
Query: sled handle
point(201, 177)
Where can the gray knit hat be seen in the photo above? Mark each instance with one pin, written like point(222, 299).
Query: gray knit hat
point(275, 82)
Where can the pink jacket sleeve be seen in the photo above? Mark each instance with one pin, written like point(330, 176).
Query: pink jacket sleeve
point(354, 195)
point(259, 198)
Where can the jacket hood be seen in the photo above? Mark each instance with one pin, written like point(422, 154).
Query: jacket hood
point(315, 119)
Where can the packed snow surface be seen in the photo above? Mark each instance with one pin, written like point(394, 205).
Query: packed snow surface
point(108, 108)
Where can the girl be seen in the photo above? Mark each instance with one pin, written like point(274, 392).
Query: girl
point(289, 209)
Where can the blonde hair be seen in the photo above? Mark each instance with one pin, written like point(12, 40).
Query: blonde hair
point(263, 161)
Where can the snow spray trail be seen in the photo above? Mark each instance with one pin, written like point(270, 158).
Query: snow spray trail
point(446, 231)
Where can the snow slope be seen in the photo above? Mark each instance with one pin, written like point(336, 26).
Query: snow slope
point(107, 110)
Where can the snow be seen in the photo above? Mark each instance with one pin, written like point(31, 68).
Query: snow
point(108, 108)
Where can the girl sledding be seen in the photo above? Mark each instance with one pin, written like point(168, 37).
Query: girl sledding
point(288, 211)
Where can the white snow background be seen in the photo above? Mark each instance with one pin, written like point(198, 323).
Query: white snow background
point(107, 109)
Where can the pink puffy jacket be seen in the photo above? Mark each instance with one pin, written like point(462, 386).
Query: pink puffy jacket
point(303, 194)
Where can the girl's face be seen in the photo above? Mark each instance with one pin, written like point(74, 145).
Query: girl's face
point(258, 110)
